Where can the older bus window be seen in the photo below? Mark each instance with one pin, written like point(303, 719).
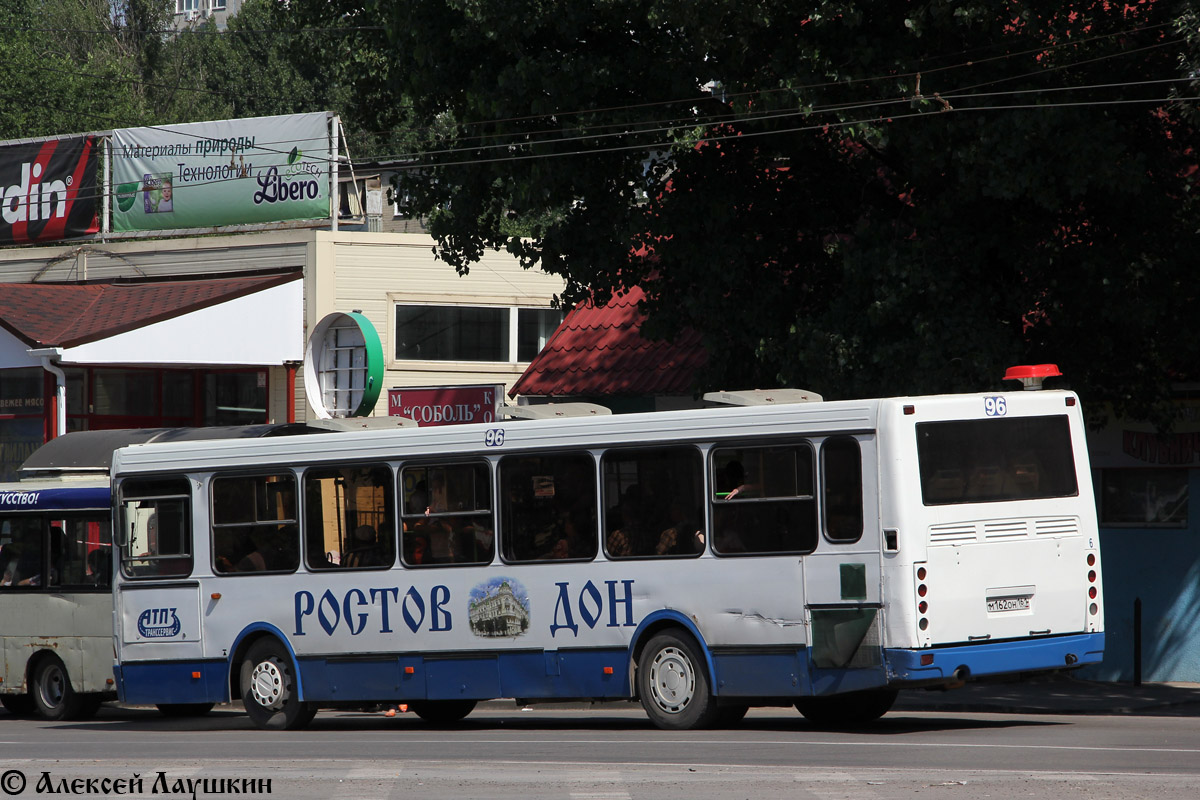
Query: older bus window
point(349, 518)
point(763, 500)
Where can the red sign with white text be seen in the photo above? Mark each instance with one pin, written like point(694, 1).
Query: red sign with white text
point(445, 405)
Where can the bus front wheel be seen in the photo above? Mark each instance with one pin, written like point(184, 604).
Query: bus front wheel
point(852, 710)
point(673, 684)
point(269, 690)
point(52, 693)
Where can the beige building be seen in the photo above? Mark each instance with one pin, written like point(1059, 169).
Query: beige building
point(212, 329)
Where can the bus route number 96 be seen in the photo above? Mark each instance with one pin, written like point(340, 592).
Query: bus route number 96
point(494, 437)
point(995, 406)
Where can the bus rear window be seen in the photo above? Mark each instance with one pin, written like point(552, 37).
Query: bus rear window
point(992, 460)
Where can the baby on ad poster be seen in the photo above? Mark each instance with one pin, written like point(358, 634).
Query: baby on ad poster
point(158, 192)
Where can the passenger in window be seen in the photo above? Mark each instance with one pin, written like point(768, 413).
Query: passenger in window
point(99, 567)
point(682, 538)
point(262, 558)
point(365, 549)
point(24, 556)
point(628, 535)
point(731, 482)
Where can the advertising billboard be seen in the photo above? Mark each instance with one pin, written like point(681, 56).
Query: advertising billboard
point(48, 190)
point(228, 172)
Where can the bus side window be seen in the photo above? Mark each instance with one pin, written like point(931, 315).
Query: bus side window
point(87, 552)
point(349, 516)
point(653, 502)
point(841, 468)
point(156, 517)
point(254, 526)
point(22, 551)
point(763, 500)
point(446, 515)
point(548, 507)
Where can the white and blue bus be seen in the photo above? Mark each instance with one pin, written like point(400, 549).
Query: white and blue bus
point(817, 554)
point(56, 605)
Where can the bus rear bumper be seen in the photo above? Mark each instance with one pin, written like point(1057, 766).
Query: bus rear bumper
point(964, 662)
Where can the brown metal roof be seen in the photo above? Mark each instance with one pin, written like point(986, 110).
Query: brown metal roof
point(65, 315)
point(600, 351)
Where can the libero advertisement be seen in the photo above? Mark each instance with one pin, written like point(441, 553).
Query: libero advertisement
point(48, 190)
point(229, 172)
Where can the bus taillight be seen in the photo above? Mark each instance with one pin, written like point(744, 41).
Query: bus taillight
point(922, 604)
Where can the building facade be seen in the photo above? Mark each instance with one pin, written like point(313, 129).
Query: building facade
point(212, 329)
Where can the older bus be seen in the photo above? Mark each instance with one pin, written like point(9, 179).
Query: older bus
point(816, 554)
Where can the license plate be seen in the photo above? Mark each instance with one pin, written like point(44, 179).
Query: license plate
point(1014, 603)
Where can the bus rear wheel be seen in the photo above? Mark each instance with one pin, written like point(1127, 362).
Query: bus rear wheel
point(673, 684)
point(19, 705)
point(52, 693)
point(442, 712)
point(851, 710)
point(269, 691)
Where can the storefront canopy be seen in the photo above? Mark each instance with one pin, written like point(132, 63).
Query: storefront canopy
point(599, 351)
point(256, 320)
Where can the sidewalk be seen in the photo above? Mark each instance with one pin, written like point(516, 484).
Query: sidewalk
point(1060, 695)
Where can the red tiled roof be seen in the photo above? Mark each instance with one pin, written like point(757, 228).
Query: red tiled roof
point(600, 351)
point(65, 315)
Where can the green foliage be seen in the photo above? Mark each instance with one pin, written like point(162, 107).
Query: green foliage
point(872, 199)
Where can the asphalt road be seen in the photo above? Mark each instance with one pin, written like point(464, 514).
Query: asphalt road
point(608, 752)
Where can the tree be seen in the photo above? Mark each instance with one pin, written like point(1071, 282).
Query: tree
point(857, 198)
point(65, 69)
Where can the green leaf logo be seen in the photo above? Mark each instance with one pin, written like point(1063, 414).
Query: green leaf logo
point(294, 156)
point(126, 195)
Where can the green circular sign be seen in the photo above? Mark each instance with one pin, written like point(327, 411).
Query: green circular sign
point(343, 366)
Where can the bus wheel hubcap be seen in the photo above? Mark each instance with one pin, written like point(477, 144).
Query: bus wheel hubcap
point(52, 688)
point(672, 680)
point(266, 684)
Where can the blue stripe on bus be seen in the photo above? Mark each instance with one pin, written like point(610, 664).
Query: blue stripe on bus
point(73, 499)
point(155, 682)
point(997, 658)
point(600, 673)
point(596, 673)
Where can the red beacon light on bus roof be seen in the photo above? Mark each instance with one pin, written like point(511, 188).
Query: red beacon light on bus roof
point(1032, 375)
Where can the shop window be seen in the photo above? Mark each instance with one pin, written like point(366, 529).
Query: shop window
point(235, 398)
point(1144, 498)
point(125, 393)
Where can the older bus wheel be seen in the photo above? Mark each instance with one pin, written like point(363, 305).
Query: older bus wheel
point(52, 692)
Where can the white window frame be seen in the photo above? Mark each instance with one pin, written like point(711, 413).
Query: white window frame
point(514, 306)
